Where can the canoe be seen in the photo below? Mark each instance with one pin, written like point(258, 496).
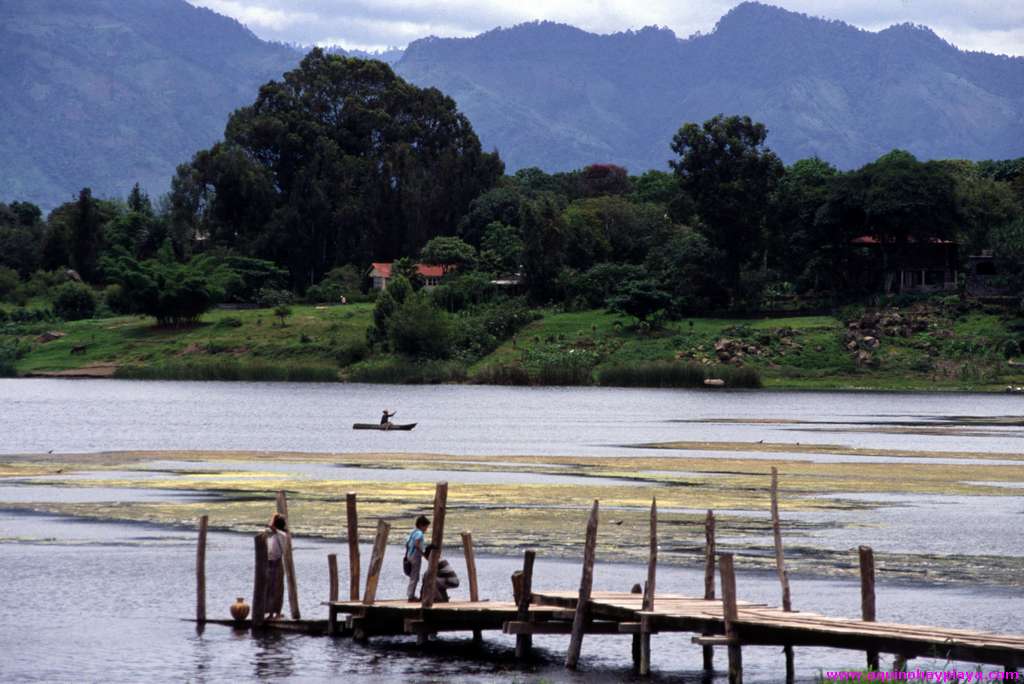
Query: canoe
point(386, 428)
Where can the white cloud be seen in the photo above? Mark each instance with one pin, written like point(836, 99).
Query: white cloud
point(989, 25)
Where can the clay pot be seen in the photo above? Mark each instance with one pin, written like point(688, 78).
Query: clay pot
point(239, 609)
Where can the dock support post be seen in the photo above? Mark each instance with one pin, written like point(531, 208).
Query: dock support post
point(649, 591)
point(524, 642)
point(429, 587)
point(709, 580)
point(582, 615)
point(289, 560)
point(380, 546)
point(637, 589)
point(332, 576)
point(729, 611)
point(474, 587)
point(259, 584)
point(352, 537)
point(204, 522)
point(780, 566)
point(867, 595)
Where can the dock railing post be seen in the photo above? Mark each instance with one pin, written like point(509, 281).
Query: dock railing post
point(729, 614)
point(429, 588)
point(649, 591)
point(582, 615)
point(780, 566)
point(380, 546)
point(474, 587)
point(204, 522)
point(636, 589)
point(709, 580)
point(259, 584)
point(352, 537)
point(332, 577)
point(289, 559)
point(524, 642)
point(867, 595)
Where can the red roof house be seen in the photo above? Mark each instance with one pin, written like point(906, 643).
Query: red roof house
point(380, 273)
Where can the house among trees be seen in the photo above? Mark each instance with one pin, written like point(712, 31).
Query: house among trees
point(911, 266)
point(380, 274)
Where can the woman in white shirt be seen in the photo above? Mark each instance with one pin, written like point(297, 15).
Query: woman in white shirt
point(277, 538)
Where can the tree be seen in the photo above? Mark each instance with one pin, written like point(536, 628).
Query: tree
point(543, 233)
point(687, 267)
point(21, 237)
point(86, 236)
point(640, 299)
point(74, 301)
point(604, 179)
point(501, 249)
point(420, 329)
point(611, 228)
point(448, 253)
point(797, 245)
point(388, 301)
point(498, 205)
point(283, 311)
point(729, 174)
point(339, 162)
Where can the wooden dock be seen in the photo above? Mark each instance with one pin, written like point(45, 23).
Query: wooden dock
point(724, 621)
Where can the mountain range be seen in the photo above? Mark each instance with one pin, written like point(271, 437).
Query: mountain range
point(105, 93)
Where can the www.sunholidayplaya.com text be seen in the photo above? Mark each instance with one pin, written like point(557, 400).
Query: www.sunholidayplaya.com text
point(923, 676)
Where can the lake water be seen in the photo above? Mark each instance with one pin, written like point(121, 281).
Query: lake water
point(90, 600)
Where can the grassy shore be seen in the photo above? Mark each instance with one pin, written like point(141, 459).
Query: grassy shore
point(964, 352)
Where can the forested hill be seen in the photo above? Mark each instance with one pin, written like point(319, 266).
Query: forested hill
point(104, 93)
point(557, 97)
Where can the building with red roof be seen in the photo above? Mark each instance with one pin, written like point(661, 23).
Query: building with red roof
point(380, 273)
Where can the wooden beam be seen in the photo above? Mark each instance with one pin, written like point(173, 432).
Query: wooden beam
point(259, 584)
point(709, 580)
point(332, 576)
point(380, 546)
point(204, 522)
point(524, 642)
point(729, 614)
point(712, 640)
point(867, 595)
point(524, 629)
point(429, 587)
point(289, 559)
point(572, 658)
point(474, 587)
point(352, 537)
point(649, 590)
point(780, 567)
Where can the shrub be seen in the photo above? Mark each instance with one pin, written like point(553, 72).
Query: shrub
point(270, 298)
point(230, 369)
point(1010, 348)
point(116, 300)
point(282, 311)
point(675, 374)
point(9, 281)
point(418, 328)
point(408, 372)
point(502, 374)
point(74, 301)
point(229, 322)
point(352, 353)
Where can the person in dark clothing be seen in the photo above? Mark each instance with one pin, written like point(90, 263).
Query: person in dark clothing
point(386, 417)
point(446, 577)
point(277, 540)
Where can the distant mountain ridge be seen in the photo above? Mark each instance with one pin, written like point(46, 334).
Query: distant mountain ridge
point(105, 93)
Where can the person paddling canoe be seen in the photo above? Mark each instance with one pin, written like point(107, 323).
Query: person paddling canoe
point(386, 417)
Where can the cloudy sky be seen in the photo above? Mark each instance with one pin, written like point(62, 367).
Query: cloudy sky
point(989, 25)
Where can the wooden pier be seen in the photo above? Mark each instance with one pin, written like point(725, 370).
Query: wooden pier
point(726, 621)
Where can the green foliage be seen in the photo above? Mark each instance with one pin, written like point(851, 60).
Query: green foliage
point(554, 366)
point(604, 179)
point(270, 297)
point(408, 371)
point(231, 370)
point(543, 233)
point(501, 248)
point(74, 301)
point(282, 312)
point(449, 253)
point(116, 300)
point(9, 281)
point(344, 281)
point(676, 374)
point(640, 299)
point(419, 329)
point(464, 290)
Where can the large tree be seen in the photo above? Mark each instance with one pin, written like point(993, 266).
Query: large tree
point(339, 162)
point(729, 174)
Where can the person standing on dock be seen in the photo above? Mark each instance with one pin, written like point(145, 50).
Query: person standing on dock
point(446, 577)
point(414, 555)
point(277, 537)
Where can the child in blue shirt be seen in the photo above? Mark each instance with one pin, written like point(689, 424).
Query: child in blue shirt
point(414, 546)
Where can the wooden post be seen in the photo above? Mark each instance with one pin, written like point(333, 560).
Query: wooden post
point(429, 587)
point(581, 617)
point(259, 584)
point(352, 521)
point(204, 522)
point(636, 589)
point(780, 566)
point(524, 642)
point(474, 587)
point(332, 575)
point(649, 591)
point(729, 613)
point(289, 560)
point(709, 580)
point(380, 545)
point(867, 595)
point(517, 586)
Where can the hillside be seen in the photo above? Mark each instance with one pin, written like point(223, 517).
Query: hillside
point(105, 93)
point(557, 97)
